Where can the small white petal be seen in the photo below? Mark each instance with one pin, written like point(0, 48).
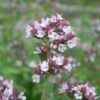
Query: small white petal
point(72, 43)
point(37, 26)
point(67, 29)
point(61, 47)
point(1, 78)
point(44, 66)
point(59, 17)
point(36, 78)
point(59, 60)
point(53, 19)
point(44, 22)
point(40, 34)
point(78, 96)
point(21, 96)
point(68, 67)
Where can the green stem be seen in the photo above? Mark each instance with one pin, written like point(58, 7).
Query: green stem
point(44, 95)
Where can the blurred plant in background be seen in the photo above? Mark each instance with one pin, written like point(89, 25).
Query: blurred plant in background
point(16, 52)
point(8, 92)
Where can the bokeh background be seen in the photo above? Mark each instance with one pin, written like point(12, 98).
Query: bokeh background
point(16, 52)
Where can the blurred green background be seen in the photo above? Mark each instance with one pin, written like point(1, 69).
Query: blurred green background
point(16, 52)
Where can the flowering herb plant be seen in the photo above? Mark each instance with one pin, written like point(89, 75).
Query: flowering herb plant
point(78, 90)
point(57, 35)
point(8, 92)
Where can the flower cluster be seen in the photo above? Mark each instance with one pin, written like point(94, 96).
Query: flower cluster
point(56, 35)
point(7, 91)
point(56, 30)
point(78, 91)
point(54, 64)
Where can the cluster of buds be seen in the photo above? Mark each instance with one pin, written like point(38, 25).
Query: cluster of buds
point(55, 30)
point(54, 64)
point(78, 91)
point(56, 35)
point(7, 91)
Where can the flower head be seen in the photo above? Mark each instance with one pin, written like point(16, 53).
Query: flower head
point(79, 91)
point(44, 66)
point(58, 32)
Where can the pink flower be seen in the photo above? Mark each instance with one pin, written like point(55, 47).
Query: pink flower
point(45, 22)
